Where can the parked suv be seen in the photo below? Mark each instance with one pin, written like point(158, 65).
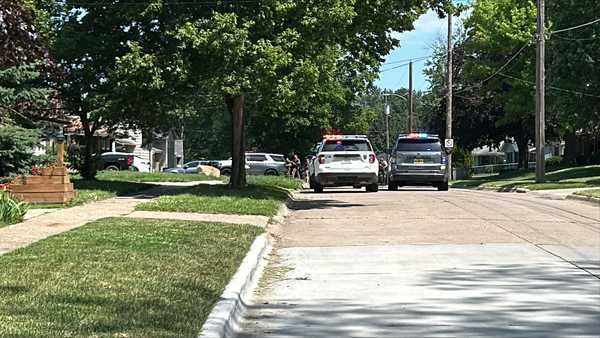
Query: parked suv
point(115, 161)
point(344, 160)
point(259, 164)
point(418, 159)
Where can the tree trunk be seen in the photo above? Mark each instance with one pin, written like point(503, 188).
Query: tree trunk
point(88, 168)
point(570, 156)
point(235, 104)
point(522, 143)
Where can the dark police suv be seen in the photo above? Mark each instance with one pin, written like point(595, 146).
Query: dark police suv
point(418, 159)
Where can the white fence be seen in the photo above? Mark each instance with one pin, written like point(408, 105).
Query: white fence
point(496, 168)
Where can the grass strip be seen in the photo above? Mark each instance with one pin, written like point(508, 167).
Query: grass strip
point(96, 190)
point(132, 176)
point(589, 193)
point(263, 196)
point(565, 178)
point(120, 278)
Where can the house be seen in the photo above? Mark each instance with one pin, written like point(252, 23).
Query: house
point(507, 154)
point(161, 150)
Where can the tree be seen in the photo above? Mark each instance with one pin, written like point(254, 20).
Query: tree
point(291, 54)
point(22, 60)
point(573, 66)
point(23, 97)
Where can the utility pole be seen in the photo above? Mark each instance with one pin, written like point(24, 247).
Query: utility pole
point(449, 91)
point(387, 126)
point(540, 104)
point(410, 99)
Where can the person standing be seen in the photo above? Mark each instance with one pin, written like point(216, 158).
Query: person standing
point(73, 153)
point(296, 164)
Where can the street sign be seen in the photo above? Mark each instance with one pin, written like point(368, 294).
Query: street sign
point(449, 143)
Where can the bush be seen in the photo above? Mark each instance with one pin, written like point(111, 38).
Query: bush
point(16, 145)
point(553, 162)
point(11, 210)
point(462, 158)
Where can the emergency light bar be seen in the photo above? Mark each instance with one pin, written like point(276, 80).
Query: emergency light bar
point(344, 137)
point(417, 135)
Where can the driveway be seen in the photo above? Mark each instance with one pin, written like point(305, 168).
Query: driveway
point(419, 262)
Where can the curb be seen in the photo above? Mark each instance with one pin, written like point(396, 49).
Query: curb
point(584, 199)
point(225, 317)
point(517, 190)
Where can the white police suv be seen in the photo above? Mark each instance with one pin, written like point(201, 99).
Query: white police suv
point(344, 160)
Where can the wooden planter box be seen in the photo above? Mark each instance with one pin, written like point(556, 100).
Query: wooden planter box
point(53, 186)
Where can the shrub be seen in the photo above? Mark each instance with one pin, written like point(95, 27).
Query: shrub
point(11, 210)
point(16, 149)
point(462, 158)
point(553, 161)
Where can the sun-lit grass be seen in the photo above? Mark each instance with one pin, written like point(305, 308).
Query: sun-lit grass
point(96, 190)
point(120, 278)
point(565, 178)
point(132, 176)
point(263, 196)
point(590, 193)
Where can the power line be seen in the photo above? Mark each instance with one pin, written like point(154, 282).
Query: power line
point(514, 56)
point(575, 27)
point(550, 87)
point(404, 64)
point(577, 39)
point(405, 60)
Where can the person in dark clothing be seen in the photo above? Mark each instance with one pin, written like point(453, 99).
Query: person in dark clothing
point(73, 153)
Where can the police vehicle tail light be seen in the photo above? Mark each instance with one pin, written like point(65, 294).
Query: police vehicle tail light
point(321, 159)
point(372, 158)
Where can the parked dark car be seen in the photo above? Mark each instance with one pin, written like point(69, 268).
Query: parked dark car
point(115, 161)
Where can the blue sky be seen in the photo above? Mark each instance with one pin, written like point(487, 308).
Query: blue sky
point(413, 45)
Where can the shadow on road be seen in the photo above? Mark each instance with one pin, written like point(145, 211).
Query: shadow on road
point(321, 204)
point(483, 300)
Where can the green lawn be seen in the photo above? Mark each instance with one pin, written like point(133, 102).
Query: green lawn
point(120, 278)
point(96, 190)
point(263, 196)
point(132, 176)
point(565, 178)
point(589, 193)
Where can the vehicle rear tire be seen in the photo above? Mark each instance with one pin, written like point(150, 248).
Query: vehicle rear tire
point(226, 172)
point(111, 167)
point(311, 182)
point(271, 173)
point(443, 186)
point(392, 186)
point(373, 187)
point(317, 188)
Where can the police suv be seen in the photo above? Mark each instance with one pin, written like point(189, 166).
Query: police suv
point(344, 160)
point(418, 159)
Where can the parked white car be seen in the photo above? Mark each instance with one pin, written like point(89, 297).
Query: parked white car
point(141, 165)
point(259, 164)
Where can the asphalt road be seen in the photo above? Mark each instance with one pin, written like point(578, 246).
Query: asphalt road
point(419, 262)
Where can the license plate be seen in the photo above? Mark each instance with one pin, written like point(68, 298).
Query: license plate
point(346, 162)
point(419, 161)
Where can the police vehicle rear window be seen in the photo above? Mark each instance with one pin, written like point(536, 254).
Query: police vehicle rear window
point(346, 145)
point(419, 144)
point(278, 158)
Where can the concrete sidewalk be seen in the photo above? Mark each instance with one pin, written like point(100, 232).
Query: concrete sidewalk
point(52, 222)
